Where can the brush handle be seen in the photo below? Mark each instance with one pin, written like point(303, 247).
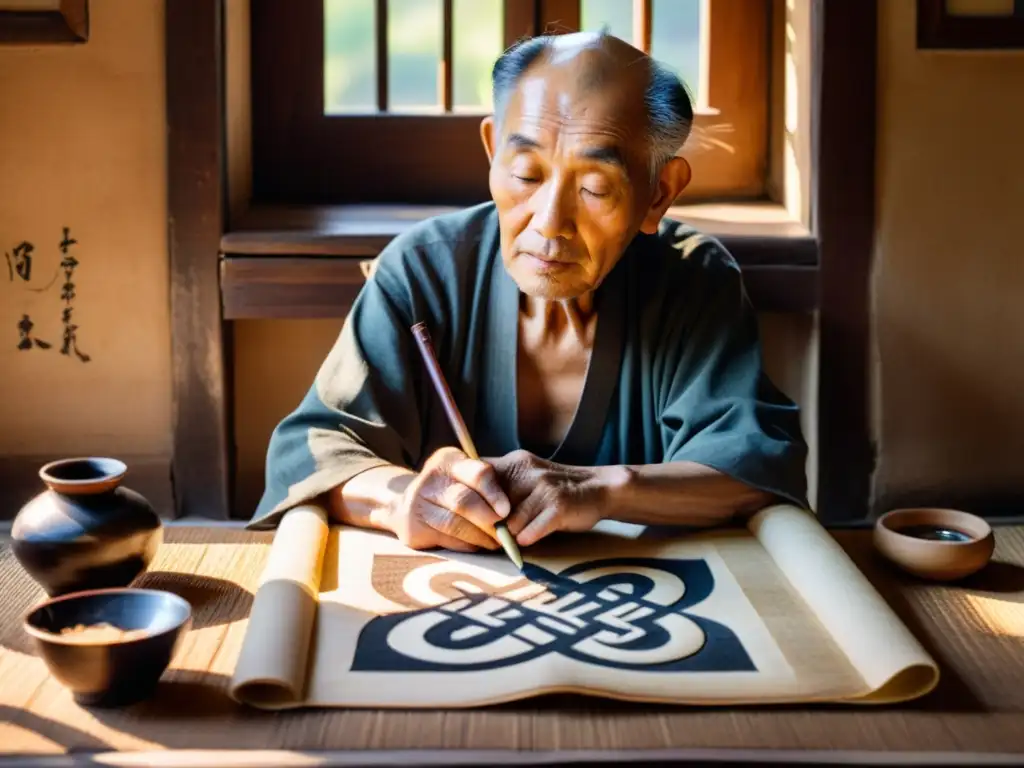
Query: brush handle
point(422, 335)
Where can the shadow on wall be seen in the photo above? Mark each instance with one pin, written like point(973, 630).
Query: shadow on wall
point(275, 364)
point(939, 424)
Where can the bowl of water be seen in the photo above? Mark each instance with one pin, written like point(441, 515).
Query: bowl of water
point(935, 543)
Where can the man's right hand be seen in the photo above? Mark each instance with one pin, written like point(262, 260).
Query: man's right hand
point(453, 502)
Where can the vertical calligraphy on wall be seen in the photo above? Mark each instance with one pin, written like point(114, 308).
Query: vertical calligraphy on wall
point(19, 269)
point(67, 295)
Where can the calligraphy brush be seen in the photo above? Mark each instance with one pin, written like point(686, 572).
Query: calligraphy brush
point(508, 543)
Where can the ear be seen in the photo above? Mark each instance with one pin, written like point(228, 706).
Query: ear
point(487, 136)
point(675, 176)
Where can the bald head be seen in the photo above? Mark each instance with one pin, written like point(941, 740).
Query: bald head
point(590, 64)
point(582, 149)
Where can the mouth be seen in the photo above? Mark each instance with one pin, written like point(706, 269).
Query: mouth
point(540, 265)
point(544, 263)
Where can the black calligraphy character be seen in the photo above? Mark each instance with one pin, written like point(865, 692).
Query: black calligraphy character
point(66, 242)
point(67, 295)
point(25, 337)
point(22, 262)
point(71, 342)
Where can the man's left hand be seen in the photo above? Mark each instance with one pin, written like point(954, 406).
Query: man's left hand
point(548, 497)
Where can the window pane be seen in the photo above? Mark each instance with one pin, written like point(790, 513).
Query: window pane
point(415, 39)
point(616, 14)
point(350, 65)
point(477, 40)
point(675, 39)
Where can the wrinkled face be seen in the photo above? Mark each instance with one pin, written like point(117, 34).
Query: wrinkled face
point(570, 176)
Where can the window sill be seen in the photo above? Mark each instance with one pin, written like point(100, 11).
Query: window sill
point(305, 261)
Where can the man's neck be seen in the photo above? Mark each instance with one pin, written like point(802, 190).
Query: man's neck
point(560, 319)
point(556, 339)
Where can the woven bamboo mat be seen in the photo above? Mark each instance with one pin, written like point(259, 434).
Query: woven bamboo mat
point(974, 630)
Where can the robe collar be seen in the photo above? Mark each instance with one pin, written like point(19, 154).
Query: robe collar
point(582, 440)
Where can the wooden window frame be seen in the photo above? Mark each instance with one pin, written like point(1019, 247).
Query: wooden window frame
point(839, 245)
point(67, 23)
point(302, 156)
point(202, 458)
point(937, 29)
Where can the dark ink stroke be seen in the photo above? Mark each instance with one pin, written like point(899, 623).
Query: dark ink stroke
point(67, 295)
point(619, 606)
point(21, 265)
point(26, 340)
point(22, 262)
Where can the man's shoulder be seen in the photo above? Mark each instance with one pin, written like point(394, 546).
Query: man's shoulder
point(444, 241)
point(451, 227)
point(683, 247)
point(679, 257)
point(431, 262)
point(679, 275)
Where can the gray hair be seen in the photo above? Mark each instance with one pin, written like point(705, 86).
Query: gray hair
point(666, 98)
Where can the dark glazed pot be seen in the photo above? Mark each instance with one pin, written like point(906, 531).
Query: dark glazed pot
point(86, 531)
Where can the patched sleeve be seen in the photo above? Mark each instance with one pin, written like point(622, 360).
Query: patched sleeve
point(362, 410)
point(717, 405)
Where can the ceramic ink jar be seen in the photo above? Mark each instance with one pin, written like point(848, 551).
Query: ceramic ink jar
point(86, 530)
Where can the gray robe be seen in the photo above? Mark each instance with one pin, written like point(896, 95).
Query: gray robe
point(675, 373)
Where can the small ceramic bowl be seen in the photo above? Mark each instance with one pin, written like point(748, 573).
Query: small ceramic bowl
point(937, 544)
point(109, 647)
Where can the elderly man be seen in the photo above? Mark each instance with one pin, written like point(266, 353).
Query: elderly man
point(606, 362)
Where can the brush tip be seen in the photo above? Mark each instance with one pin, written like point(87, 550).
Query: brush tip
point(508, 543)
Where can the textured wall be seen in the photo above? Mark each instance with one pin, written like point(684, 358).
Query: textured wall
point(949, 270)
point(82, 145)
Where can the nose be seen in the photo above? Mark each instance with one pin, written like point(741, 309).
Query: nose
point(553, 214)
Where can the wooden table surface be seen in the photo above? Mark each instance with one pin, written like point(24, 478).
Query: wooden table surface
point(975, 630)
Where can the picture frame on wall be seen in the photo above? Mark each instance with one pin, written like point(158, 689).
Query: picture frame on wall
point(970, 24)
point(35, 22)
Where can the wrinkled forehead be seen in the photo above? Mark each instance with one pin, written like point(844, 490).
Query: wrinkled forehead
point(576, 96)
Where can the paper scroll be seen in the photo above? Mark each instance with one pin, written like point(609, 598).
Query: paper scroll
point(773, 613)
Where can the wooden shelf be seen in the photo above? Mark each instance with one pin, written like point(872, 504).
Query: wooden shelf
point(306, 262)
point(337, 230)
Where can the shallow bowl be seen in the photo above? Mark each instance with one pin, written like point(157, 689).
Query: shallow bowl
point(934, 543)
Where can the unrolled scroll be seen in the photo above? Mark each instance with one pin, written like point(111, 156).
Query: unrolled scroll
point(893, 664)
point(273, 663)
point(773, 613)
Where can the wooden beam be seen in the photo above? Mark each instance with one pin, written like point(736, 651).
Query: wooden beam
point(290, 286)
point(938, 30)
point(381, 52)
point(268, 287)
point(642, 24)
point(520, 20)
point(844, 42)
point(67, 23)
point(201, 467)
point(445, 81)
point(736, 89)
point(559, 16)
